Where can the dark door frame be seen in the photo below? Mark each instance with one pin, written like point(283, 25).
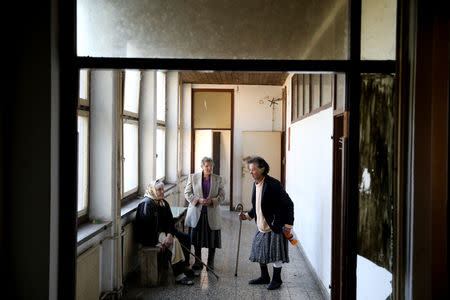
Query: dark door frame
point(231, 133)
point(336, 217)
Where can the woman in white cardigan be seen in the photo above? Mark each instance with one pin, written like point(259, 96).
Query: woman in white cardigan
point(204, 192)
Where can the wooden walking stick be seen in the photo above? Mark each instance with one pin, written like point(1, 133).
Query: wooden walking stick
point(239, 206)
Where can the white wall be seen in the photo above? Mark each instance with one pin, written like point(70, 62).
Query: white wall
point(186, 97)
point(147, 125)
point(225, 157)
point(250, 114)
point(309, 184)
point(172, 127)
point(103, 141)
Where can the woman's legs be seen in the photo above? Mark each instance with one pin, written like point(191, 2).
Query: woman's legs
point(264, 278)
point(211, 254)
point(276, 276)
point(185, 240)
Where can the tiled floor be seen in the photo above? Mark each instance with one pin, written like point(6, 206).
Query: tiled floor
point(298, 282)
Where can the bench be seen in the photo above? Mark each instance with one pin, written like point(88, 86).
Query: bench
point(154, 266)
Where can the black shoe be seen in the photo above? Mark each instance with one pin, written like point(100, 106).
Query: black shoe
point(260, 280)
point(276, 279)
point(184, 281)
point(264, 278)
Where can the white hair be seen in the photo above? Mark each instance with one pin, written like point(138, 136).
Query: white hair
point(159, 184)
point(207, 159)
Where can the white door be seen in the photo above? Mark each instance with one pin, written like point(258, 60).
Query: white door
point(266, 144)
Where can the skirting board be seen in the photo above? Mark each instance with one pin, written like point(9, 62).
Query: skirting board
point(323, 289)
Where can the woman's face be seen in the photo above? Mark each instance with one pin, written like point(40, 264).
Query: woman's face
point(207, 168)
point(160, 192)
point(256, 172)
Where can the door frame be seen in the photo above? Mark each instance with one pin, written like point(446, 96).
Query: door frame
point(231, 91)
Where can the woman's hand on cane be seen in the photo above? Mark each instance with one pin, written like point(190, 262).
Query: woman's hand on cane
point(242, 216)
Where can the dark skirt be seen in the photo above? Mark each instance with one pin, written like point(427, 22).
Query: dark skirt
point(202, 236)
point(269, 247)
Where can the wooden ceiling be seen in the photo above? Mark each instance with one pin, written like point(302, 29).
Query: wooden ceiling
point(256, 78)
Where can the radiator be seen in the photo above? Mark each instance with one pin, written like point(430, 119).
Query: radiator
point(88, 274)
point(130, 251)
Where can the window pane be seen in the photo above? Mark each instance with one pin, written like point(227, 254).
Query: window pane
point(340, 91)
point(378, 29)
point(326, 89)
point(83, 162)
point(131, 91)
point(306, 78)
point(130, 154)
point(300, 95)
point(212, 109)
point(315, 82)
point(377, 187)
point(160, 153)
point(83, 92)
point(161, 96)
point(232, 29)
point(294, 97)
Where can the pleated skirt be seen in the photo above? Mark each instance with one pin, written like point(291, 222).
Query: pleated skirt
point(202, 236)
point(269, 247)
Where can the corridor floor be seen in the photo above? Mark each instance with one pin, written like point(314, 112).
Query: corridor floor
point(298, 282)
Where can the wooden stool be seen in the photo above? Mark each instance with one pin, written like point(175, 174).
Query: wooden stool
point(153, 265)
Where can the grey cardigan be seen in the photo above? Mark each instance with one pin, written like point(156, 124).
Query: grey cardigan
point(217, 194)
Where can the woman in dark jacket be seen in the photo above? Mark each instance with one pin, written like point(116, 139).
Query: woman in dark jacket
point(155, 227)
point(273, 212)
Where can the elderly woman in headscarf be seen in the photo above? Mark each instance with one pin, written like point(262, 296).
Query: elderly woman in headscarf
point(155, 227)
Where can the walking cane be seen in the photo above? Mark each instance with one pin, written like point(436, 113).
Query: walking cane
point(239, 206)
point(200, 260)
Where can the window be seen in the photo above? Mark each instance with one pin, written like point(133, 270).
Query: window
point(130, 133)
point(161, 124)
point(312, 93)
point(83, 144)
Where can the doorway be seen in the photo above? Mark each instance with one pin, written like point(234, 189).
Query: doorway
point(212, 112)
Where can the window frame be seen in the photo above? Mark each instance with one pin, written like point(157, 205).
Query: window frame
point(296, 101)
point(124, 111)
point(83, 108)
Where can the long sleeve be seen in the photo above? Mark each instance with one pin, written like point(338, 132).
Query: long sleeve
point(189, 190)
point(251, 213)
point(285, 211)
point(221, 194)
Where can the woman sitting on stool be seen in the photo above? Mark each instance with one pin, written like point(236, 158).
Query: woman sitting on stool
point(155, 227)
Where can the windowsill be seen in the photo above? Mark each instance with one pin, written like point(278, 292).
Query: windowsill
point(169, 186)
point(130, 207)
point(88, 230)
